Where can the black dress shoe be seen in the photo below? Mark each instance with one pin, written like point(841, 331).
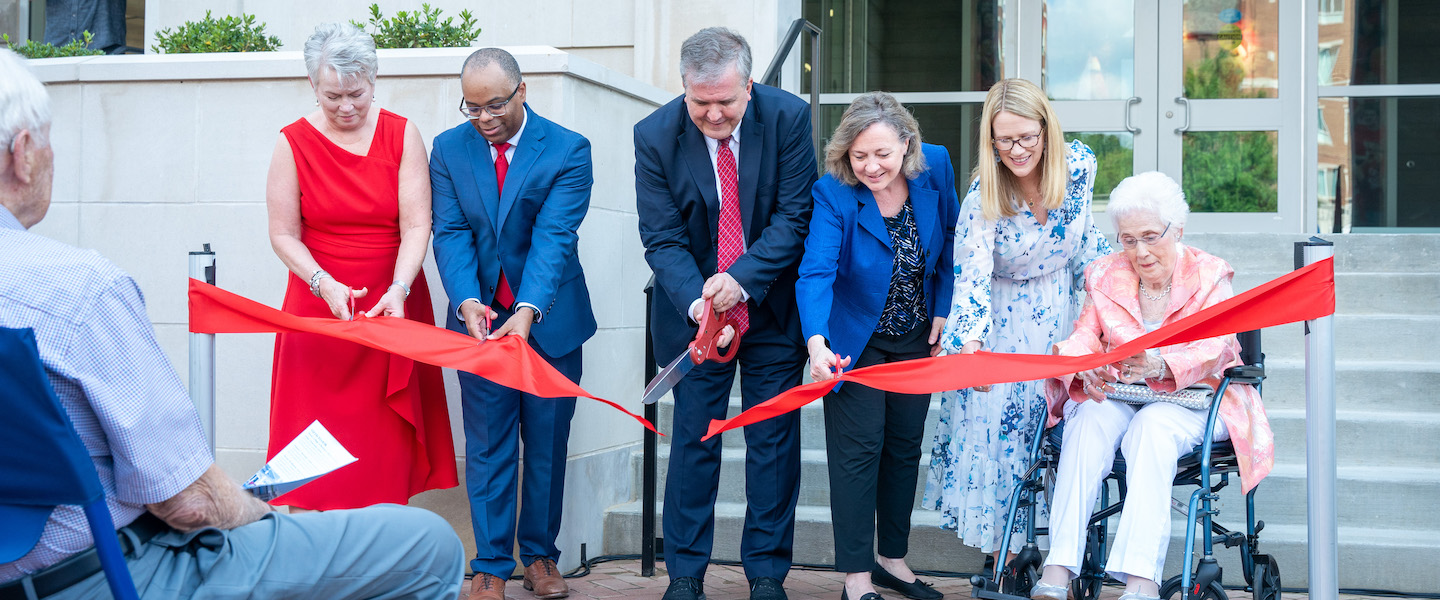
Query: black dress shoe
point(845, 595)
point(916, 590)
point(685, 588)
point(767, 588)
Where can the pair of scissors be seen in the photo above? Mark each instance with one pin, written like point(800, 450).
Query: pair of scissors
point(485, 332)
point(704, 347)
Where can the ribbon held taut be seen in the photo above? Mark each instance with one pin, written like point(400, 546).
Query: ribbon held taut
point(508, 361)
point(1301, 295)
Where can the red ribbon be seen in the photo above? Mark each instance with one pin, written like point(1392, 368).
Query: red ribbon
point(1301, 295)
point(508, 361)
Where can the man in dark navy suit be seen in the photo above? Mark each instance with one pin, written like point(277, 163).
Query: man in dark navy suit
point(722, 184)
point(510, 189)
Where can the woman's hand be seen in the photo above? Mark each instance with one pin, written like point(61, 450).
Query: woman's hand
point(1140, 367)
point(392, 304)
point(972, 347)
point(937, 327)
point(1094, 382)
point(337, 296)
point(823, 363)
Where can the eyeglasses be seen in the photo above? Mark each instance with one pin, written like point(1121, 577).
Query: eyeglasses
point(497, 109)
point(1129, 242)
point(1005, 144)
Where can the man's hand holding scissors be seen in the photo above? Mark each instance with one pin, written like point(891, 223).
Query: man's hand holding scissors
point(477, 319)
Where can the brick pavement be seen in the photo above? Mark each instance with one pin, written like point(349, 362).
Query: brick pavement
point(621, 579)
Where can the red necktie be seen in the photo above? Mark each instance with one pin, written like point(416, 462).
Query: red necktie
point(502, 289)
point(732, 240)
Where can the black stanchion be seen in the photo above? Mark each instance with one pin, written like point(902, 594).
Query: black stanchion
point(647, 494)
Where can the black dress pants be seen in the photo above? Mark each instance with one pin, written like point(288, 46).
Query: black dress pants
point(872, 442)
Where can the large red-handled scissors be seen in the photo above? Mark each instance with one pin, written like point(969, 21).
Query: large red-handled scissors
point(704, 347)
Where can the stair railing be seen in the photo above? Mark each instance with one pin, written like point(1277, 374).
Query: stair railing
point(772, 74)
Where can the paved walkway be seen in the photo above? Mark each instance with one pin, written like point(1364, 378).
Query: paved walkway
point(621, 579)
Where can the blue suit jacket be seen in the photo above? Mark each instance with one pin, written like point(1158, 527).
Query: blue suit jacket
point(679, 210)
point(845, 274)
point(531, 230)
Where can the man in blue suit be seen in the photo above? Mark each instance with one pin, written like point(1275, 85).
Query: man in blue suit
point(510, 189)
point(722, 184)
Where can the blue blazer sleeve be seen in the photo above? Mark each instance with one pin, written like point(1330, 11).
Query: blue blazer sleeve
point(663, 230)
point(555, 235)
point(456, 256)
point(943, 173)
point(815, 289)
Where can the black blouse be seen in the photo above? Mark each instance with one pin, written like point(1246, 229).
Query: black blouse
point(905, 304)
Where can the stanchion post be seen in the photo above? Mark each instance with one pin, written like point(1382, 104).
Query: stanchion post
point(647, 495)
point(1320, 437)
point(202, 352)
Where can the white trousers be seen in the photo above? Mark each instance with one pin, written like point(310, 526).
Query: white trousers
point(1152, 438)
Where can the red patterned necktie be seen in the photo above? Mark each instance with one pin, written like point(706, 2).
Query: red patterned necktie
point(502, 165)
point(732, 239)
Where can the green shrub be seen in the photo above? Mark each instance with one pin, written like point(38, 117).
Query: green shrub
point(226, 34)
point(421, 29)
point(34, 49)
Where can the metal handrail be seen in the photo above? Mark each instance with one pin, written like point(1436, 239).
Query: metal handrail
point(772, 74)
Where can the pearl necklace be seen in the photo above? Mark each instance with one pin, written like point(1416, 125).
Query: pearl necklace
point(1159, 297)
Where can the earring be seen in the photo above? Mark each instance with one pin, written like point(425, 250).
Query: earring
point(317, 102)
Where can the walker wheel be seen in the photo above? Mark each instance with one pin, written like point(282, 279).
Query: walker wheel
point(1171, 591)
point(1267, 578)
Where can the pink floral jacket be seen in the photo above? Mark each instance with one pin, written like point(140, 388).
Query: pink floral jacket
point(1111, 317)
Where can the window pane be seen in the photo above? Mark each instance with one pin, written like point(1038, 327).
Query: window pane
point(1231, 49)
point(905, 46)
point(1379, 42)
point(1089, 49)
point(1382, 162)
point(1230, 171)
point(1115, 156)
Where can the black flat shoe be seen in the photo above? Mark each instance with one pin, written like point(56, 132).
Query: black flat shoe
point(767, 588)
point(845, 595)
point(915, 590)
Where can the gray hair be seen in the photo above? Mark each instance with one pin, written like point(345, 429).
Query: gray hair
point(344, 48)
point(24, 105)
point(874, 108)
point(1153, 193)
point(705, 56)
point(484, 57)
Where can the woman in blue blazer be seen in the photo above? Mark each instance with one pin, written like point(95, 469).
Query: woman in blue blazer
point(875, 287)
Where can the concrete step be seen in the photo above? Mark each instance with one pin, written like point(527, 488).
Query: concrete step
point(1408, 338)
point(1368, 496)
point(1378, 439)
point(1375, 386)
point(812, 424)
point(1369, 557)
point(1369, 293)
point(1354, 253)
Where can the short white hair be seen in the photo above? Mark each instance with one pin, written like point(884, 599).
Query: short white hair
point(344, 48)
point(1152, 193)
point(24, 105)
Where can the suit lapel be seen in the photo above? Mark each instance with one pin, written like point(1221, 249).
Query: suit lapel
point(484, 169)
point(532, 144)
point(869, 216)
point(752, 150)
point(697, 157)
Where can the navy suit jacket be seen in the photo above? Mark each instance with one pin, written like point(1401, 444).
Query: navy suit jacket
point(531, 230)
point(679, 210)
point(845, 274)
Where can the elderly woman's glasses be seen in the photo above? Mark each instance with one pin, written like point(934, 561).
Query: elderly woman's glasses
point(1129, 241)
point(496, 110)
point(1005, 144)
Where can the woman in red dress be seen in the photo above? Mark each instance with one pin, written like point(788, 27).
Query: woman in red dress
point(348, 196)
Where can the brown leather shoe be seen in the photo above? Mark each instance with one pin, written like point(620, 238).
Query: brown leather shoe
point(485, 586)
point(545, 580)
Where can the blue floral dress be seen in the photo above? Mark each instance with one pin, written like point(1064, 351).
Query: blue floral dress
point(1017, 288)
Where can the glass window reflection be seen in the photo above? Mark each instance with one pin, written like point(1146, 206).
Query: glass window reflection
point(1231, 49)
point(1379, 42)
point(1089, 49)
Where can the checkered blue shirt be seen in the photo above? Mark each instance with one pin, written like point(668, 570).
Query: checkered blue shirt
point(119, 389)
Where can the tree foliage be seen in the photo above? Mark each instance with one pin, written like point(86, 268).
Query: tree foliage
point(421, 29)
point(226, 34)
point(1227, 171)
point(1115, 161)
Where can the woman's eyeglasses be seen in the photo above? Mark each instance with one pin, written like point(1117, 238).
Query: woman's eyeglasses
point(1129, 241)
point(1005, 144)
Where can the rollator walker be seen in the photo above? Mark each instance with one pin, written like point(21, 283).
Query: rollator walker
point(1209, 466)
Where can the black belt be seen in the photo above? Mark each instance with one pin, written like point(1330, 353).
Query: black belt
point(78, 567)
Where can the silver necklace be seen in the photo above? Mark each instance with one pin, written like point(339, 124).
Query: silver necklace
point(1161, 296)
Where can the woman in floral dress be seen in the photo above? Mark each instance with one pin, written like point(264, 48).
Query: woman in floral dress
point(1027, 236)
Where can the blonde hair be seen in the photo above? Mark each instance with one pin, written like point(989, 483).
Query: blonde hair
point(874, 108)
point(1000, 194)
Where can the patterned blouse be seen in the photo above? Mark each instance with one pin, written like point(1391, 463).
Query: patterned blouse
point(905, 305)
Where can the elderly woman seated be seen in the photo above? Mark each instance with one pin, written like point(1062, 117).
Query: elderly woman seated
point(1156, 281)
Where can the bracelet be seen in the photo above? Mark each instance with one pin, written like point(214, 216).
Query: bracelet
point(404, 287)
point(315, 278)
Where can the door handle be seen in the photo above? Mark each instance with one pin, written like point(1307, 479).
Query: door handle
point(1182, 101)
point(1128, 104)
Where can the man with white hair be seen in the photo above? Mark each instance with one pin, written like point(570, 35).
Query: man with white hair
point(185, 527)
point(722, 186)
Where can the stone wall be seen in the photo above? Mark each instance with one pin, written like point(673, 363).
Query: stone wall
point(156, 155)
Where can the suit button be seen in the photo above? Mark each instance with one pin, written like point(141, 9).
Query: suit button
point(492, 289)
